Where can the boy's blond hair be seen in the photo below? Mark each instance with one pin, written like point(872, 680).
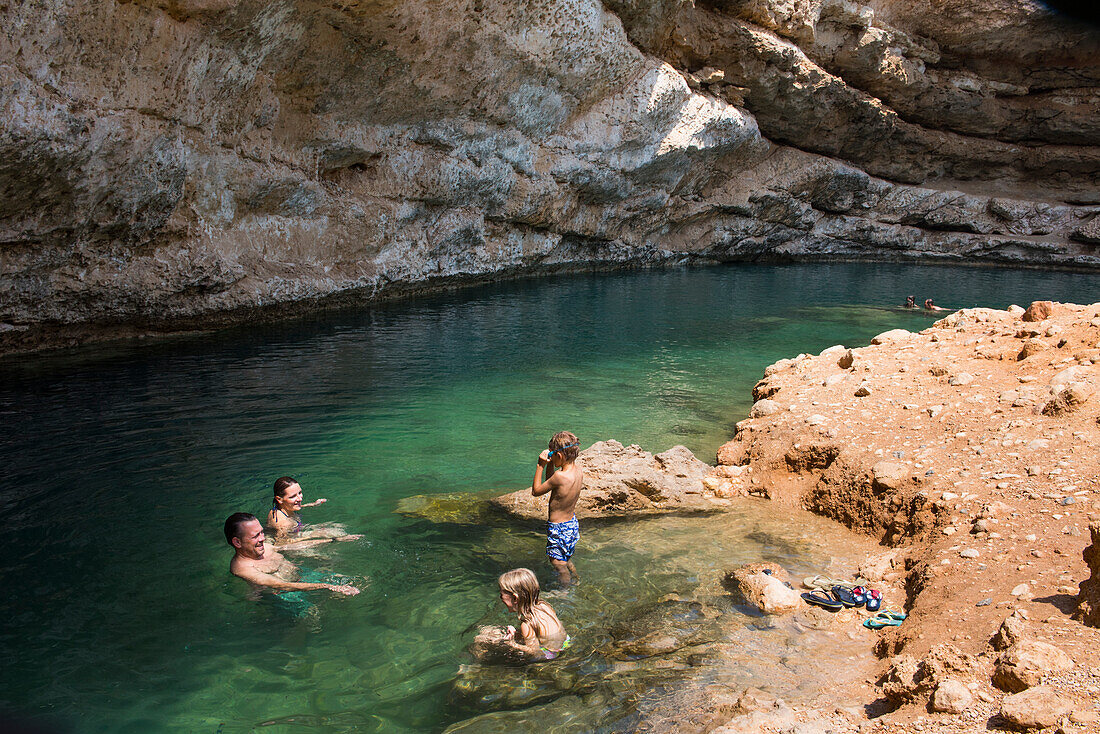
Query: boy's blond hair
point(566, 444)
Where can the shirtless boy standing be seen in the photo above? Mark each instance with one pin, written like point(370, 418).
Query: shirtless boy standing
point(563, 481)
point(261, 565)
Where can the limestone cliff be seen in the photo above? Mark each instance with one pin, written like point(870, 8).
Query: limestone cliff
point(188, 161)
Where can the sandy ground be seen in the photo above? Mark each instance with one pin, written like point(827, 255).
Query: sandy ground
point(970, 451)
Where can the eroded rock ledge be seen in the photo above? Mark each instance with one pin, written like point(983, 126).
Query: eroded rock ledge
point(969, 448)
point(181, 163)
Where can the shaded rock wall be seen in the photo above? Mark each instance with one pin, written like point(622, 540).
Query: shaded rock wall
point(185, 161)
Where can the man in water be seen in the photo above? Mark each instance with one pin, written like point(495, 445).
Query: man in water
point(261, 565)
point(910, 301)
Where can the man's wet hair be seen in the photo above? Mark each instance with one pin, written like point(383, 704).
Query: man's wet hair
point(282, 484)
point(233, 525)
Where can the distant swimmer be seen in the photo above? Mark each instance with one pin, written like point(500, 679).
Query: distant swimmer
point(910, 301)
point(255, 561)
point(930, 306)
point(286, 524)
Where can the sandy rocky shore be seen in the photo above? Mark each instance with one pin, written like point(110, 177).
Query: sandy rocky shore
point(969, 450)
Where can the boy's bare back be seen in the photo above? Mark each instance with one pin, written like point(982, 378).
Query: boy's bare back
point(566, 490)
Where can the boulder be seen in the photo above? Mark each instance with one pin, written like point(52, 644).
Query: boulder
point(963, 378)
point(1035, 708)
point(889, 475)
point(846, 360)
point(908, 678)
point(1069, 375)
point(1088, 597)
point(1031, 347)
point(490, 646)
point(764, 407)
point(1038, 311)
point(893, 335)
point(765, 586)
point(952, 697)
point(1068, 400)
point(1023, 665)
point(1011, 631)
point(625, 480)
point(876, 567)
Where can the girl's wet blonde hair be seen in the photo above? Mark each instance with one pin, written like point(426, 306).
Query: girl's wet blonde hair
point(522, 584)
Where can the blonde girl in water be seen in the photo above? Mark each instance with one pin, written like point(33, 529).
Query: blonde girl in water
point(540, 635)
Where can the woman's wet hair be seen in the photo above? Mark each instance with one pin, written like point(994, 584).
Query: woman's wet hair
point(233, 525)
point(567, 444)
point(524, 585)
point(282, 484)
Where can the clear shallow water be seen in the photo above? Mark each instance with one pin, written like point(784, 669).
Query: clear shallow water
point(121, 461)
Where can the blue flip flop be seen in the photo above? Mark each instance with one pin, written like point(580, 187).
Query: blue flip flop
point(846, 597)
point(823, 600)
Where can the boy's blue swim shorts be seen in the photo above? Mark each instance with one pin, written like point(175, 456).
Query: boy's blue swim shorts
point(561, 538)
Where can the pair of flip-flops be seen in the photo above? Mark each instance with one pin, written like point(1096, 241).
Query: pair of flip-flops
point(824, 583)
point(843, 596)
point(859, 596)
point(884, 618)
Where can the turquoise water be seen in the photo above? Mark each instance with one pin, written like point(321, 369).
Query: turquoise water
point(121, 461)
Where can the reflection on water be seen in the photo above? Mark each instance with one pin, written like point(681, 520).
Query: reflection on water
point(121, 462)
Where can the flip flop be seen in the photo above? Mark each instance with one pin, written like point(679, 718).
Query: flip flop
point(824, 583)
point(882, 619)
point(861, 595)
point(874, 604)
point(846, 597)
point(823, 600)
point(896, 616)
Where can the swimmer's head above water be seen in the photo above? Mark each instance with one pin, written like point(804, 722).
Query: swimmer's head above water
point(288, 495)
point(245, 533)
point(519, 591)
point(910, 301)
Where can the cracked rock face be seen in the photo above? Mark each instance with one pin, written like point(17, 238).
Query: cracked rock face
point(184, 161)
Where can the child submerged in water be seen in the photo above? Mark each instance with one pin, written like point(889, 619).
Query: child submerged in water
point(541, 635)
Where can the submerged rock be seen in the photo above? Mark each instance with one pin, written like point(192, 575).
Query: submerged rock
point(652, 645)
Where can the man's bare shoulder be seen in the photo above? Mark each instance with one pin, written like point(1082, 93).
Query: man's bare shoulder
point(239, 566)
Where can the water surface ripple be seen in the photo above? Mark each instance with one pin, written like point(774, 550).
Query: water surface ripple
point(120, 462)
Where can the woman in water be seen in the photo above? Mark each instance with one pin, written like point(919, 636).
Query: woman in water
point(541, 635)
point(286, 525)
